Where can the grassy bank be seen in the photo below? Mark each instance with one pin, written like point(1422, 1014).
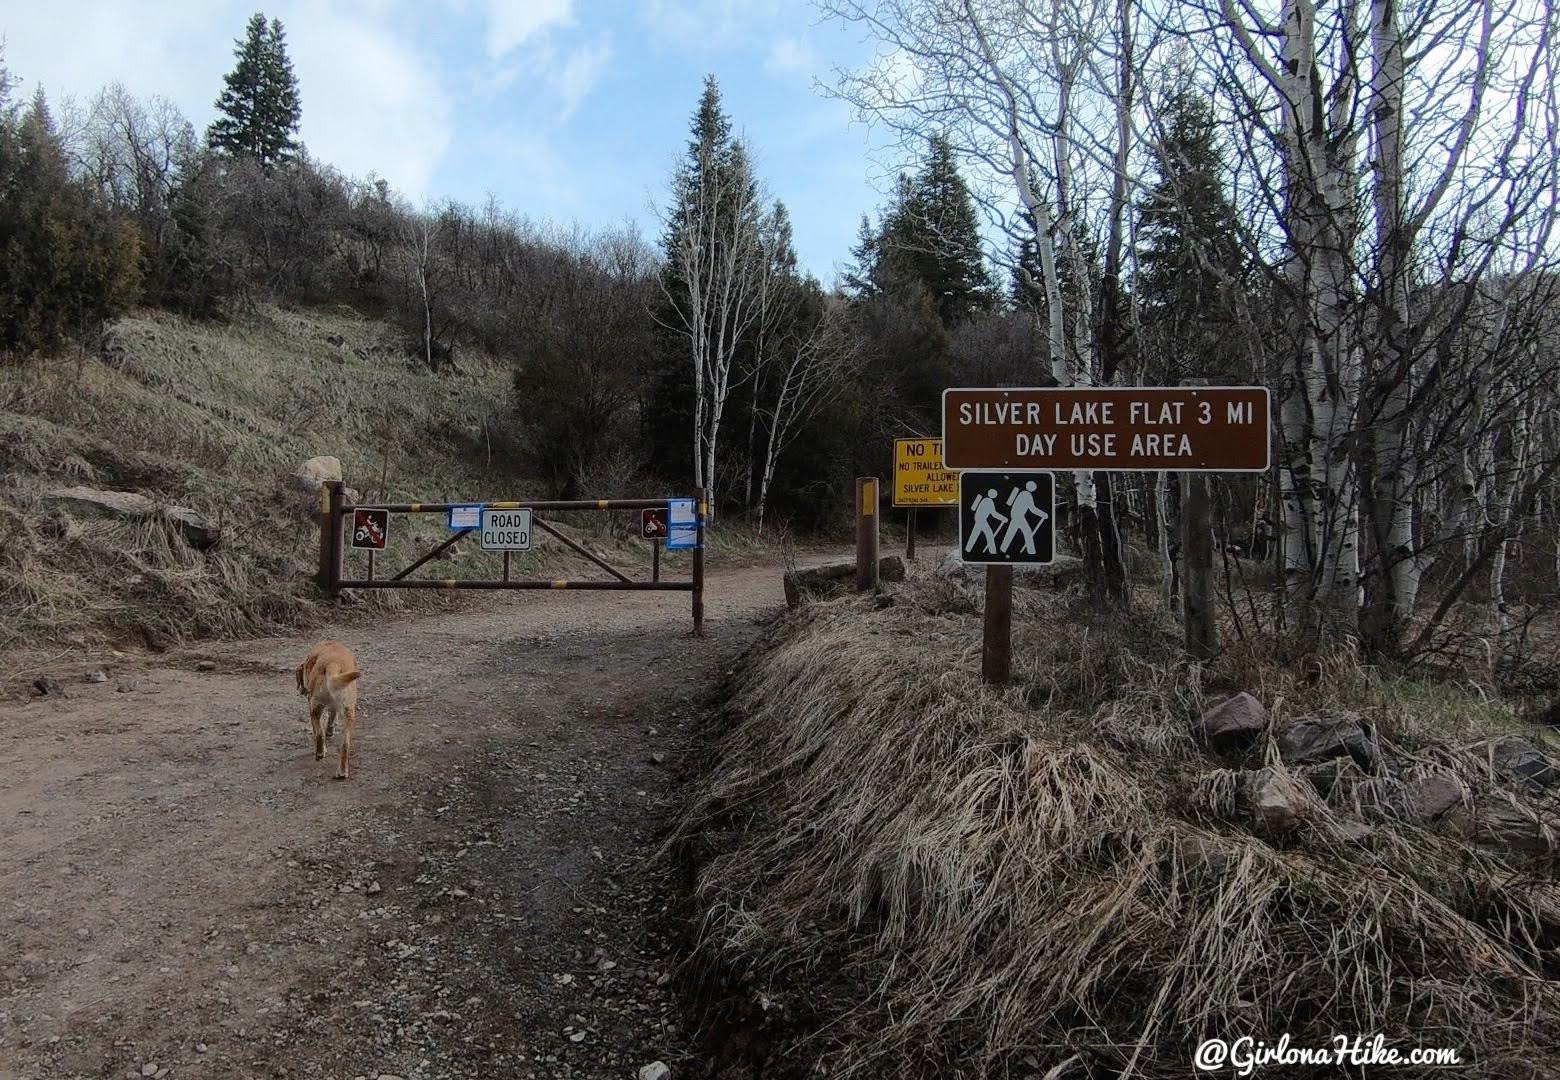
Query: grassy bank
point(899, 871)
point(215, 418)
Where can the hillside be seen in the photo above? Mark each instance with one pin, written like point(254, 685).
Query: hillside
point(215, 418)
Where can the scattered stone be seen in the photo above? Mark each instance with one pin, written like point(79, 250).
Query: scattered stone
point(822, 581)
point(44, 686)
point(374, 888)
point(149, 1069)
point(656, 1070)
point(97, 676)
point(200, 1048)
point(1323, 738)
point(883, 601)
point(1503, 823)
point(1274, 800)
point(1429, 797)
point(205, 665)
point(124, 686)
point(658, 757)
point(1517, 758)
point(1234, 723)
point(314, 472)
point(197, 531)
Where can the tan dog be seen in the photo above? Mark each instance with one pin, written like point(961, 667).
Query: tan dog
point(329, 679)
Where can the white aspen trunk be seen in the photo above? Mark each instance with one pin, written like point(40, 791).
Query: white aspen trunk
point(1080, 365)
point(1507, 479)
point(1319, 196)
point(1395, 475)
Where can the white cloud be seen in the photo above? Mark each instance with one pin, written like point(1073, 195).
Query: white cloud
point(702, 24)
point(578, 74)
point(512, 23)
point(378, 102)
point(791, 56)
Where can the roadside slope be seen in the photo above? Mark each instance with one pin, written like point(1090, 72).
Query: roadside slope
point(214, 418)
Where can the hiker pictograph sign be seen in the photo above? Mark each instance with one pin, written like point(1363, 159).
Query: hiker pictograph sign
point(1007, 517)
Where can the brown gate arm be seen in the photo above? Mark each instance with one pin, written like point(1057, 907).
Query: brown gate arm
point(432, 554)
point(540, 524)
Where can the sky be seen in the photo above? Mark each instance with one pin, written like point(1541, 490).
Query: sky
point(569, 111)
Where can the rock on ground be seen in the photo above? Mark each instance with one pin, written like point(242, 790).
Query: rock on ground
point(1234, 723)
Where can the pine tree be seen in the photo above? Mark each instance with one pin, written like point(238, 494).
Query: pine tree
point(1192, 264)
point(953, 267)
point(66, 262)
point(713, 188)
point(260, 106)
point(928, 242)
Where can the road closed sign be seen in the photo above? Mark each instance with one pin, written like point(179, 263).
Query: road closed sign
point(506, 530)
point(920, 479)
point(1108, 428)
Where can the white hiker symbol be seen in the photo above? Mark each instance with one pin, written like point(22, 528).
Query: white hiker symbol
point(1022, 504)
point(985, 507)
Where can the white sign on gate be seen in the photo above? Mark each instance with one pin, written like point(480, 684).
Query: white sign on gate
point(506, 530)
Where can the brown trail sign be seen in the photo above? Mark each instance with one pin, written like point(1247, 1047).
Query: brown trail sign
point(1108, 428)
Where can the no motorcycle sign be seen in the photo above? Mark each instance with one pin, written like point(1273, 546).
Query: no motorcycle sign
point(370, 528)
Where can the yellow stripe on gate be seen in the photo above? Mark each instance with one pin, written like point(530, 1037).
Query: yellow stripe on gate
point(601, 504)
point(560, 584)
point(504, 505)
point(416, 508)
point(449, 583)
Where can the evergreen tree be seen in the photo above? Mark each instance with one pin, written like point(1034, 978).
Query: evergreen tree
point(1192, 265)
point(928, 241)
point(951, 264)
point(66, 262)
point(259, 105)
point(714, 176)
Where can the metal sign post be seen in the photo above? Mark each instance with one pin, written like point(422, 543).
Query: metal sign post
point(921, 479)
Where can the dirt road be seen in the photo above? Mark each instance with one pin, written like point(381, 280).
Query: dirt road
point(185, 891)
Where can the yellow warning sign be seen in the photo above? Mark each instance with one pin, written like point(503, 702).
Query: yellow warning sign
point(919, 476)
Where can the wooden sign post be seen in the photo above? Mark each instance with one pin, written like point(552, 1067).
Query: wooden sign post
point(866, 533)
point(996, 653)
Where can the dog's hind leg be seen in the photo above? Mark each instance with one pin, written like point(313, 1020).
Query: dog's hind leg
point(346, 740)
point(319, 740)
point(330, 723)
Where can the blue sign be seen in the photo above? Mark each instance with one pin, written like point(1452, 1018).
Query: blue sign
point(682, 525)
point(466, 517)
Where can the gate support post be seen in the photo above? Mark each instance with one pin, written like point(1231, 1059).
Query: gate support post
point(866, 533)
point(330, 537)
point(910, 537)
point(699, 510)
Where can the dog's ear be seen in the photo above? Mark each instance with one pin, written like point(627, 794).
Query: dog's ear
point(299, 674)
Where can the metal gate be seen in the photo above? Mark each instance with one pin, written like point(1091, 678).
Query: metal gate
point(334, 512)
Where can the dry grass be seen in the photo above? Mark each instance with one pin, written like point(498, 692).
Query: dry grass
point(215, 418)
point(902, 872)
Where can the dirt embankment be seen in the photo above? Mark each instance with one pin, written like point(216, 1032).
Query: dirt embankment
point(188, 892)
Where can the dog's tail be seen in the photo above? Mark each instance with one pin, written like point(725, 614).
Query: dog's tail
point(346, 677)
